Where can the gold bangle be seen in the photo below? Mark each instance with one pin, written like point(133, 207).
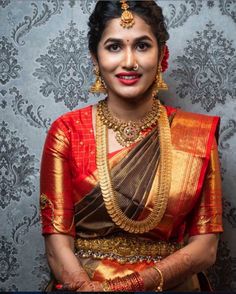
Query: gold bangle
point(159, 288)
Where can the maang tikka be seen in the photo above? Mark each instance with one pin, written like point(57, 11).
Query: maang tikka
point(127, 18)
point(98, 86)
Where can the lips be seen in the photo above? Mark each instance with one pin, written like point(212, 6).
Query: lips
point(128, 78)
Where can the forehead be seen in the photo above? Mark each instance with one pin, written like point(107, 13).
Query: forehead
point(115, 30)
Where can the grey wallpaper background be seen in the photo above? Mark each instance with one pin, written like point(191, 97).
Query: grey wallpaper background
point(45, 70)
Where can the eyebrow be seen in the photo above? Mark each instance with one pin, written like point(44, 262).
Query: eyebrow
point(117, 40)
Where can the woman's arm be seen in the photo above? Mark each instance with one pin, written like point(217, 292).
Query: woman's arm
point(65, 266)
point(57, 211)
point(203, 227)
point(197, 256)
point(61, 258)
point(200, 253)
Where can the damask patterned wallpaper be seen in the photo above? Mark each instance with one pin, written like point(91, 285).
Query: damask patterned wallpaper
point(45, 70)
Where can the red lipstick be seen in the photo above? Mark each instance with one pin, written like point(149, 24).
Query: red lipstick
point(128, 78)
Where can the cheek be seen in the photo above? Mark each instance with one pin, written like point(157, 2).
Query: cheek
point(151, 68)
point(149, 63)
point(108, 70)
point(107, 63)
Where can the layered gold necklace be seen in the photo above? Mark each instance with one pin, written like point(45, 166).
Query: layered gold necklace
point(127, 133)
point(161, 183)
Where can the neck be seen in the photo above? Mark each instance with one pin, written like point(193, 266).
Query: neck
point(130, 109)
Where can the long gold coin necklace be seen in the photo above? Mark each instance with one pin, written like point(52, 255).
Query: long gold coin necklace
point(161, 183)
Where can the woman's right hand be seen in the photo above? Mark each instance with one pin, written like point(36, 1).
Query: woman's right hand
point(63, 262)
point(72, 281)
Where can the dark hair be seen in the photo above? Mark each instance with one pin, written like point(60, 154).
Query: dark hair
point(104, 11)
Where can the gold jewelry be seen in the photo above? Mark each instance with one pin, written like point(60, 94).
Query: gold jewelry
point(160, 286)
point(129, 132)
point(98, 86)
point(105, 286)
point(161, 183)
point(159, 83)
point(135, 68)
point(127, 18)
point(124, 248)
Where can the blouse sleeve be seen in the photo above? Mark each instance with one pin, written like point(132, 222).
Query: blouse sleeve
point(207, 215)
point(57, 209)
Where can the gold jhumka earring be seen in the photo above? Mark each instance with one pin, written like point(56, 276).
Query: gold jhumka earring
point(98, 86)
point(159, 83)
point(127, 18)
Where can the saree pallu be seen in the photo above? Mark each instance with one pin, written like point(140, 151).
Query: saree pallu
point(71, 201)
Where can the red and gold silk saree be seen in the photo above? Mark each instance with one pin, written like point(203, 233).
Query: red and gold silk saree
point(71, 201)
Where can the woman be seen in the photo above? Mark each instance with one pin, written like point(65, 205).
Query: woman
point(130, 189)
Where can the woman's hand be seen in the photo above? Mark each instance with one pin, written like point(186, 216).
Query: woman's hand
point(151, 279)
point(195, 257)
point(81, 286)
point(73, 280)
point(91, 287)
point(63, 262)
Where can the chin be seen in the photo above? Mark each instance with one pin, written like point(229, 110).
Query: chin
point(130, 94)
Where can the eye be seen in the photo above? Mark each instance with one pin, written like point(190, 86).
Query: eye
point(113, 47)
point(143, 46)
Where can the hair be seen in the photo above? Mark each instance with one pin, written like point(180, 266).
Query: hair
point(105, 11)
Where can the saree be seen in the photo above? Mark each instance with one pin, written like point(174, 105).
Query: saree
point(71, 200)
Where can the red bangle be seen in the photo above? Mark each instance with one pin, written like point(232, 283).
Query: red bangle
point(132, 282)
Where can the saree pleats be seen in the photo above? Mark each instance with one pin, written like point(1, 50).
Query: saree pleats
point(132, 180)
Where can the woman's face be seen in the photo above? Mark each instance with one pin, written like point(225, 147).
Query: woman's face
point(119, 51)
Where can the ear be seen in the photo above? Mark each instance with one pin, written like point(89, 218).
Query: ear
point(162, 52)
point(94, 58)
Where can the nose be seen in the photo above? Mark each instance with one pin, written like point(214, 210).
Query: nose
point(129, 59)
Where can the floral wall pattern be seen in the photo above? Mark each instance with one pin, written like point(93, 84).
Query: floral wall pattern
point(45, 70)
point(208, 57)
point(66, 69)
point(17, 167)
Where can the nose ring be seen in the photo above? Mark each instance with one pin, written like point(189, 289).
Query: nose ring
point(135, 68)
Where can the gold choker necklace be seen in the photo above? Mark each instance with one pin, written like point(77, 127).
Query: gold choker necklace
point(129, 132)
point(161, 183)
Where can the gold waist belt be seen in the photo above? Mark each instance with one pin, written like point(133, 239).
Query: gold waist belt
point(123, 248)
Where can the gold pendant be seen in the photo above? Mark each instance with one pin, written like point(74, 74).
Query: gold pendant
point(130, 132)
